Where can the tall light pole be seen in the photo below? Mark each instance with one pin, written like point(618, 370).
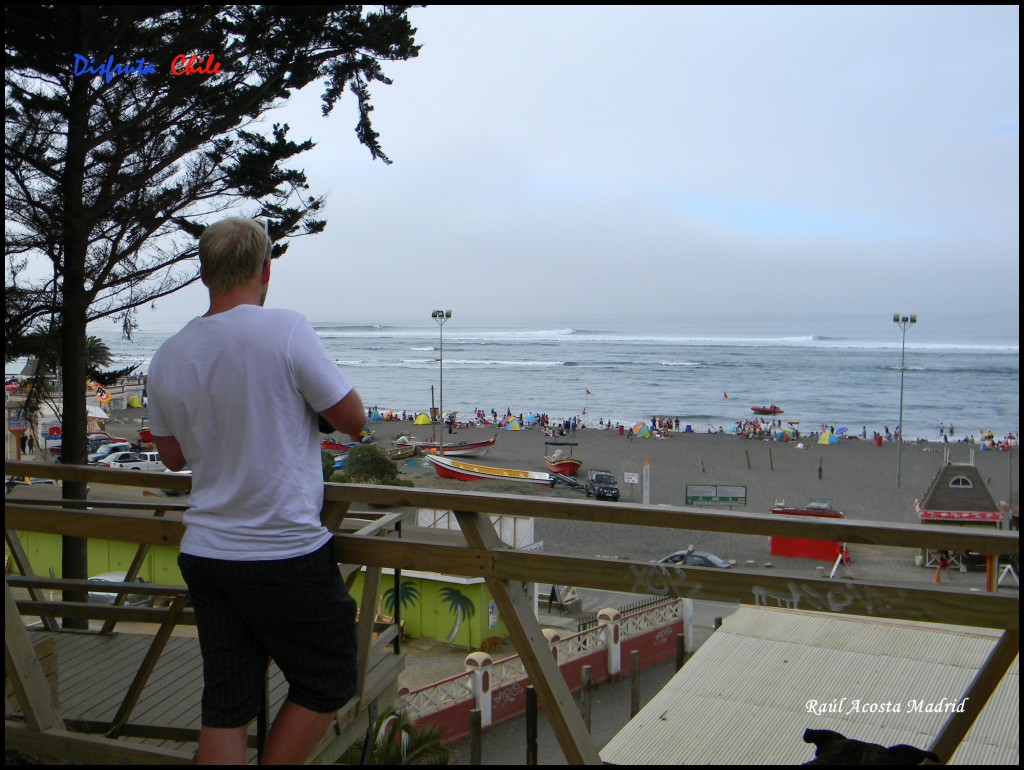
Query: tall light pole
point(904, 322)
point(441, 316)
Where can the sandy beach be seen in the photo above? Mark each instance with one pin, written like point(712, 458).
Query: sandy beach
point(858, 476)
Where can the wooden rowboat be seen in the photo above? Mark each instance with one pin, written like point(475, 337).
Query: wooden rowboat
point(401, 452)
point(460, 449)
point(463, 471)
point(557, 462)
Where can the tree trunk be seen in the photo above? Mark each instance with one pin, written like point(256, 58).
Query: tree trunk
point(74, 550)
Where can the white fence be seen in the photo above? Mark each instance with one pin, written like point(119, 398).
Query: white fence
point(448, 692)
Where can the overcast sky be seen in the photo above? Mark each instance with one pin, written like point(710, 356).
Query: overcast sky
point(577, 163)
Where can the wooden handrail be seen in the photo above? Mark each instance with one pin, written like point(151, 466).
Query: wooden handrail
point(504, 570)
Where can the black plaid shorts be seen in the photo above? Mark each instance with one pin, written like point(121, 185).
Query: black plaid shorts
point(296, 611)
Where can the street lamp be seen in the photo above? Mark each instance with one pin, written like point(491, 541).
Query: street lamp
point(904, 322)
point(441, 316)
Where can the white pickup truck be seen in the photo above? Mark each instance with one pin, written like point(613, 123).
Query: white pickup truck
point(135, 461)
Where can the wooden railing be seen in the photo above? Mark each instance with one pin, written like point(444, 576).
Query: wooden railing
point(359, 541)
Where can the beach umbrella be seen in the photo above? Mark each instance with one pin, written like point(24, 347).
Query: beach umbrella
point(422, 419)
point(376, 416)
point(531, 418)
point(841, 431)
point(640, 430)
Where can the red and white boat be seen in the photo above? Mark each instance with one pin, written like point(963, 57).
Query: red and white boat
point(459, 449)
point(457, 469)
point(557, 462)
point(773, 409)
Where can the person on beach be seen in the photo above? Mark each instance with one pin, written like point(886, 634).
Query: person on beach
point(236, 395)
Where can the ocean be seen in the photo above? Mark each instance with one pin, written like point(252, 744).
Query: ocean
point(842, 370)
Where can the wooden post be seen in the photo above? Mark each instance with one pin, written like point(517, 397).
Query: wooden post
point(476, 734)
point(820, 475)
point(634, 689)
point(680, 650)
point(576, 743)
point(26, 675)
point(718, 623)
point(771, 464)
point(978, 692)
point(531, 725)
point(747, 453)
point(148, 665)
point(587, 694)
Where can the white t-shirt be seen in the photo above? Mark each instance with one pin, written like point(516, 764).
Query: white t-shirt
point(240, 391)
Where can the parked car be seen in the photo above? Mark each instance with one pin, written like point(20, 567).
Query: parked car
point(104, 437)
point(692, 558)
point(107, 450)
point(24, 481)
point(134, 461)
point(186, 471)
point(602, 485)
point(105, 597)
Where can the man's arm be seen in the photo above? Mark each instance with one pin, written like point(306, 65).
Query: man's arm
point(170, 452)
point(347, 415)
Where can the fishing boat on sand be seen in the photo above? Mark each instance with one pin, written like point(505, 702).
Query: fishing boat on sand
point(459, 449)
point(557, 461)
point(330, 445)
point(457, 469)
point(394, 453)
point(773, 409)
point(401, 452)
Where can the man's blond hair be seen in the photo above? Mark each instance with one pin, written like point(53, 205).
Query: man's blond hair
point(232, 251)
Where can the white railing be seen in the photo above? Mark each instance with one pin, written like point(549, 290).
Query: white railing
point(507, 670)
point(438, 695)
point(581, 643)
point(650, 618)
point(457, 688)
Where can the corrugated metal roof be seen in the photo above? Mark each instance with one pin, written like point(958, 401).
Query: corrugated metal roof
point(744, 697)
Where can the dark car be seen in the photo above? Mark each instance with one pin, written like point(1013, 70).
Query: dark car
point(602, 485)
point(692, 558)
point(107, 597)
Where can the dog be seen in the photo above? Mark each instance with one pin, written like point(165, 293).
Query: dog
point(836, 749)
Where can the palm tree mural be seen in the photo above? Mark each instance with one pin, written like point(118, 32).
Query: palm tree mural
point(408, 595)
point(459, 605)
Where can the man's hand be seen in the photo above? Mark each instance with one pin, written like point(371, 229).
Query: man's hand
point(347, 415)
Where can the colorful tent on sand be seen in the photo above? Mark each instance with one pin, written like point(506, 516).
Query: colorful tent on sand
point(513, 424)
point(828, 437)
point(422, 419)
point(640, 430)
